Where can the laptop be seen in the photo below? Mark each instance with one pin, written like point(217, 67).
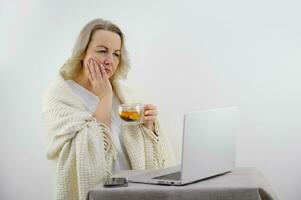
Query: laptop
point(208, 149)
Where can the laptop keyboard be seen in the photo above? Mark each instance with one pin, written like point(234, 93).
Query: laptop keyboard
point(172, 176)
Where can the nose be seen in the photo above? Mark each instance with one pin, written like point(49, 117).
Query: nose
point(108, 60)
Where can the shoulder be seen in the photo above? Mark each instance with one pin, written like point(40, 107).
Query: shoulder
point(58, 91)
point(54, 88)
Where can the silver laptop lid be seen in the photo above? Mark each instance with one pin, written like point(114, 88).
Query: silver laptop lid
point(208, 143)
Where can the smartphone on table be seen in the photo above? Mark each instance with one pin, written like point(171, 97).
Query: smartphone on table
point(116, 182)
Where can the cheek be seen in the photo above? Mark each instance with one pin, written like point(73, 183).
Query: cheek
point(95, 56)
point(86, 59)
point(115, 67)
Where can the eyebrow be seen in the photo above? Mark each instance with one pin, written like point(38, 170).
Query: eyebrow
point(106, 47)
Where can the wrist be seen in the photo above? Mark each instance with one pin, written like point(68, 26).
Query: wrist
point(107, 96)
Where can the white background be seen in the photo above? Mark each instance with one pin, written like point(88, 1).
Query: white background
point(188, 54)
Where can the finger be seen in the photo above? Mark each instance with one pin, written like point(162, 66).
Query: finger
point(98, 72)
point(89, 71)
point(148, 119)
point(103, 71)
point(94, 66)
point(97, 68)
point(93, 75)
point(150, 107)
point(151, 113)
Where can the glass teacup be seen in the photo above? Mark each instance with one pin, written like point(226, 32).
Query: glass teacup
point(131, 113)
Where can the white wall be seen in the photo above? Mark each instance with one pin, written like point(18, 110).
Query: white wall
point(188, 54)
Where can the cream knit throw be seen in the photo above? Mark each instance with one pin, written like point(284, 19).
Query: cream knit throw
point(76, 142)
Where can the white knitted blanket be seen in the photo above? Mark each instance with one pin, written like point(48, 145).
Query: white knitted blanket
point(76, 143)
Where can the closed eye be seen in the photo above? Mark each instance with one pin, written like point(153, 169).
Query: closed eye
point(117, 55)
point(102, 51)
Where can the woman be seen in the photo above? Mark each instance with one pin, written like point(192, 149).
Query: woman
point(87, 140)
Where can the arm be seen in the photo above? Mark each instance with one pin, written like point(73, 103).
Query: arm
point(104, 110)
point(163, 152)
point(101, 87)
point(80, 148)
point(162, 148)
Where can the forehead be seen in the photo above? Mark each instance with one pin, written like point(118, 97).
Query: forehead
point(106, 38)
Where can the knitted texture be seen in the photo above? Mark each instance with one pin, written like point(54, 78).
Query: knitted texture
point(76, 142)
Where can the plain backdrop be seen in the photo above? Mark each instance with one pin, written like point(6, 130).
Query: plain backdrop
point(186, 55)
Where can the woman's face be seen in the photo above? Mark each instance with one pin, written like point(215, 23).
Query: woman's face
point(105, 48)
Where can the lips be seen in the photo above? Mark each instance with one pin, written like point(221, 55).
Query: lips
point(108, 71)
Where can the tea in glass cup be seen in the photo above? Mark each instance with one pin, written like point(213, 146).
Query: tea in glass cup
point(131, 113)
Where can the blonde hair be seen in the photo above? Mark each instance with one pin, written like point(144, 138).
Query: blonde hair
point(73, 65)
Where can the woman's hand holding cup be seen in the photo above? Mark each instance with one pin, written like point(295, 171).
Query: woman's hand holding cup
point(150, 116)
point(136, 113)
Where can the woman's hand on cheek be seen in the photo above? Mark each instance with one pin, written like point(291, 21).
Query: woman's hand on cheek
point(97, 75)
